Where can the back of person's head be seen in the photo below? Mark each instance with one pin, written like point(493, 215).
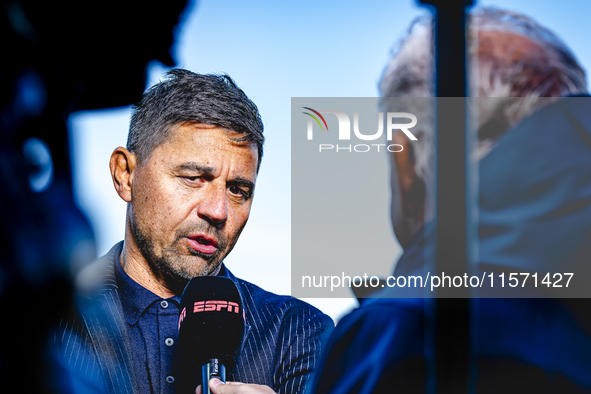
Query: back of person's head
point(510, 55)
point(515, 66)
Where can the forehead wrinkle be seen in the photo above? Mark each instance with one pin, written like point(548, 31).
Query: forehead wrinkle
point(212, 142)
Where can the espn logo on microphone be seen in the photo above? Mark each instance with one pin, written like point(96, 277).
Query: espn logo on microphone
point(211, 306)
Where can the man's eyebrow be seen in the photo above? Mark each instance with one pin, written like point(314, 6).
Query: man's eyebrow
point(195, 167)
point(205, 170)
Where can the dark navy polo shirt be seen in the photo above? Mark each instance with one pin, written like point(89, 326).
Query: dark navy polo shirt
point(153, 330)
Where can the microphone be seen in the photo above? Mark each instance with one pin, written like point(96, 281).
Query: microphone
point(211, 327)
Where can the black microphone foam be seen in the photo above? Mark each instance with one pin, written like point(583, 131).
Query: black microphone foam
point(211, 323)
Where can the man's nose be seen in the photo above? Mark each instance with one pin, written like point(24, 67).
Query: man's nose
point(214, 208)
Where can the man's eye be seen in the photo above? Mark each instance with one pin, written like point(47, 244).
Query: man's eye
point(238, 191)
point(191, 179)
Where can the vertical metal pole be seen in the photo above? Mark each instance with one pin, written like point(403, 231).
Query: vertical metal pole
point(452, 312)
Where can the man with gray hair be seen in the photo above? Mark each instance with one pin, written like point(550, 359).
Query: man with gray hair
point(534, 214)
point(188, 177)
point(510, 56)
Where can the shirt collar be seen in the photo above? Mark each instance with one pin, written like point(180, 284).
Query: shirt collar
point(135, 299)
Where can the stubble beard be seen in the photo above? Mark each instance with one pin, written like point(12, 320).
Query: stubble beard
point(177, 264)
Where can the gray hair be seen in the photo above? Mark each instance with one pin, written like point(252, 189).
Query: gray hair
point(188, 97)
point(551, 71)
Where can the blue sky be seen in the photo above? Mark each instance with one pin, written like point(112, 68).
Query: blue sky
point(278, 50)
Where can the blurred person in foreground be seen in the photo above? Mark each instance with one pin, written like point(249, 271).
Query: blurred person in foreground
point(188, 176)
point(534, 152)
point(58, 57)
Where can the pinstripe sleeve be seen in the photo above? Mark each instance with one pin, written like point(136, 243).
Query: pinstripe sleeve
point(304, 330)
point(74, 360)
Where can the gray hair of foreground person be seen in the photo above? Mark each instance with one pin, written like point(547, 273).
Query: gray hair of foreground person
point(187, 97)
point(510, 56)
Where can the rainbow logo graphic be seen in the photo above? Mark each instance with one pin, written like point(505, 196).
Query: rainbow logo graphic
point(315, 118)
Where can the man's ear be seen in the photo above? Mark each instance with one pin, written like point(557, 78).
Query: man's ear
point(412, 187)
point(122, 165)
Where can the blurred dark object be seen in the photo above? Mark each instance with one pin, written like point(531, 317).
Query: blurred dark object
point(450, 319)
point(58, 57)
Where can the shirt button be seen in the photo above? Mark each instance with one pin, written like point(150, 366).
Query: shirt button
point(164, 304)
point(169, 341)
point(169, 379)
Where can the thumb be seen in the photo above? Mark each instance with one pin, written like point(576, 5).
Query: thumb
point(216, 386)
